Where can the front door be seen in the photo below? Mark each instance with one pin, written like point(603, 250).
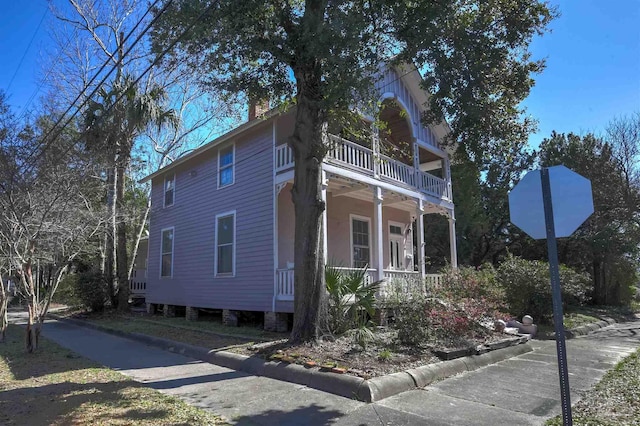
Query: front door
point(396, 247)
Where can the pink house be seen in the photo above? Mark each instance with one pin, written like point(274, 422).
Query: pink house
point(221, 226)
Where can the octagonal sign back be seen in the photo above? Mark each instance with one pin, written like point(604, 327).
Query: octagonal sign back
point(571, 199)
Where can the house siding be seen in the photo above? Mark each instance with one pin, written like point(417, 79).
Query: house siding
point(197, 202)
point(339, 211)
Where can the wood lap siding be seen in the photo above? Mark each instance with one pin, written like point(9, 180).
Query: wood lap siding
point(197, 201)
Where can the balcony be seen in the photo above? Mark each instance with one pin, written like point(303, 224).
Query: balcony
point(359, 159)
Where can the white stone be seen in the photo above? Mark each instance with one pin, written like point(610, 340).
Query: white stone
point(527, 320)
point(499, 325)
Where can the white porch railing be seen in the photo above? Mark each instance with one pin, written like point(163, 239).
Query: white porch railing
point(433, 185)
point(351, 155)
point(433, 280)
point(284, 284)
point(397, 171)
point(370, 275)
point(138, 282)
point(284, 157)
point(407, 280)
point(394, 274)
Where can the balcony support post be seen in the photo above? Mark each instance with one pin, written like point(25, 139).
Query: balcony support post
point(377, 219)
point(416, 163)
point(420, 239)
point(325, 238)
point(452, 239)
point(446, 174)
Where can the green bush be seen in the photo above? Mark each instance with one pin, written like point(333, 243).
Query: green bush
point(67, 292)
point(527, 288)
point(351, 303)
point(92, 290)
point(449, 313)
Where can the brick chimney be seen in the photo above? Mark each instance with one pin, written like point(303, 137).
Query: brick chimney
point(258, 108)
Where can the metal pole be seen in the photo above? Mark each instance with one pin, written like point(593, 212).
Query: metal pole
point(552, 251)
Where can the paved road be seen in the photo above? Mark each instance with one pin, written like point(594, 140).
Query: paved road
point(523, 390)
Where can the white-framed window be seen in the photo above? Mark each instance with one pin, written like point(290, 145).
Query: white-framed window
point(396, 245)
point(360, 241)
point(169, 190)
point(226, 169)
point(225, 261)
point(166, 252)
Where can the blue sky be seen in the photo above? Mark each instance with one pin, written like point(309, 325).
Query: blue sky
point(592, 75)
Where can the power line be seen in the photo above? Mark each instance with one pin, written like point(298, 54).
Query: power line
point(27, 49)
point(153, 64)
point(113, 68)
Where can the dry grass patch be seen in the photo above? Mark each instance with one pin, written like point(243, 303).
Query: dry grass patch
point(615, 400)
point(56, 387)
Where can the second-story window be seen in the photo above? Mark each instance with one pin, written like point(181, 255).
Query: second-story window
point(225, 166)
point(169, 190)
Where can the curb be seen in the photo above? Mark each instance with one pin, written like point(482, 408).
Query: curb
point(583, 330)
point(371, 390)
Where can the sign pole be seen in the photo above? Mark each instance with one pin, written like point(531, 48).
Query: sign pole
point(552, 250)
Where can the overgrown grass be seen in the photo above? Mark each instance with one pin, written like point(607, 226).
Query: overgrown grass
point(166, 331)
point(615, 400)
point(56, 387)
point(214, 326)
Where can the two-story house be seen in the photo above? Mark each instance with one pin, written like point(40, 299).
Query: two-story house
point(222, 222)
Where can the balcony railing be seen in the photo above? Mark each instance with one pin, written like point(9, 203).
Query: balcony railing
point(352, 156)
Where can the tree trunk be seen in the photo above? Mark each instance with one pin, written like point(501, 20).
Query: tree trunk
point(121, 246)
point(310, 300)
point(32, 333)
point(139, 237)
point(4, 301)
point(110, 233)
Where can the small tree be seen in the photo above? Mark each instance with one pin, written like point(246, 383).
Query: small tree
point(113, 121)
point(47, 215)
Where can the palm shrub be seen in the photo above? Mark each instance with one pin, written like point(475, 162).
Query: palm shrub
point(352, 303)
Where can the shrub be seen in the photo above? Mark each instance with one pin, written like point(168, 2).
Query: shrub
point(67, 292)
point(447, 313)
point(527, 287)
point(92, 290)
point(351, 303)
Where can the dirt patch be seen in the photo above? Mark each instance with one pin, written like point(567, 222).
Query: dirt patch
point(384, 355)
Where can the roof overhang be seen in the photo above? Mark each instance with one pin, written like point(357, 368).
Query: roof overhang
point(264, 119)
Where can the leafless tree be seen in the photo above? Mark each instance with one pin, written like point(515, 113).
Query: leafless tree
point(90, 33)
point(48, 212)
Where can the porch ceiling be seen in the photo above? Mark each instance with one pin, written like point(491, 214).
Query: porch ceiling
point(342, 187)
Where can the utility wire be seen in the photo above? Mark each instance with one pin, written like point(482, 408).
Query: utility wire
point(98, 86)
point(27, 49)
point(153, 63)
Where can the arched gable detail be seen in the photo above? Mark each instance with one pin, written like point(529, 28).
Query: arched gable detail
point(390, 86)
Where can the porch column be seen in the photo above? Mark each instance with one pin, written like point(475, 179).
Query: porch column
point(452, 239)
point(377, 221)
point(325, 229)
point(420, 239)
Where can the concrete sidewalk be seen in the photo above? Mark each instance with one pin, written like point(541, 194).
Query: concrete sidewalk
point(522, 390)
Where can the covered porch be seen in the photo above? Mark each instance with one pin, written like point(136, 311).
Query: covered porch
point(367, 226)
